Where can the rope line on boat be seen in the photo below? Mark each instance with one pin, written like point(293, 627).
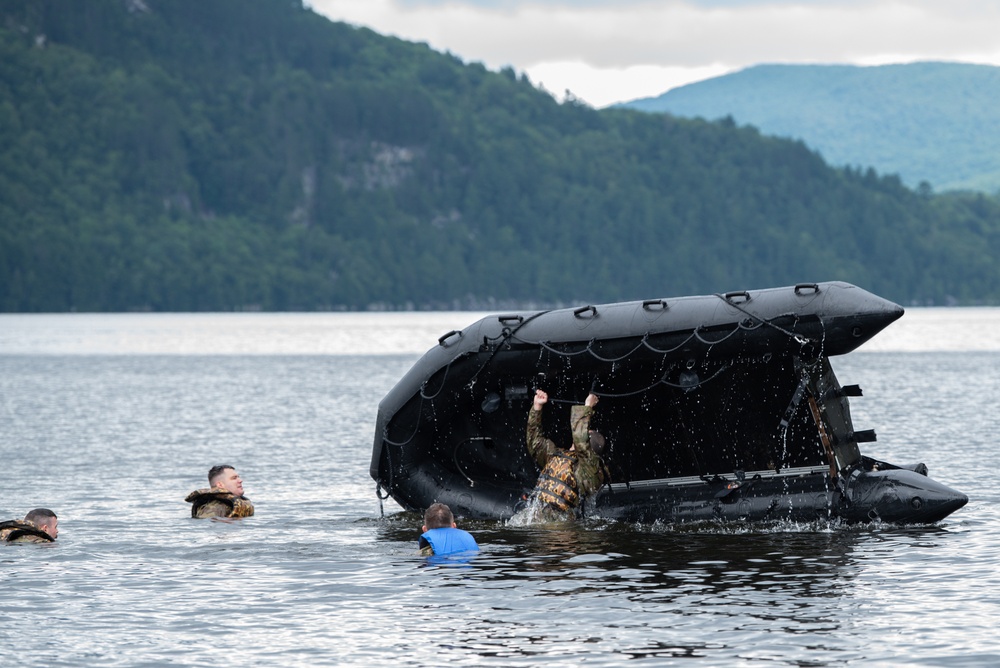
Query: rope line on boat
point(504, 334)
point(547, 346)
point(753, 320)
point(632, 393)
point(645, 342)
point(447, 369)
point(416, 428)
point(619, 395)
point(698, 336)
point(380, 497)
point(378, 483)
point(801, 340)
point(611, 360)
point(458, 465)
point(589, 349)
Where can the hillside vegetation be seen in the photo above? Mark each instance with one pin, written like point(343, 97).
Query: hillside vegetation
point(250, 154)
point(933, 123)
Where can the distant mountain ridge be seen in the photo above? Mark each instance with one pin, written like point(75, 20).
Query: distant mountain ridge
point(931, 122)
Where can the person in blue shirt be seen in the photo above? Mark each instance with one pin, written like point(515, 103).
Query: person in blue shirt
point(441, 535)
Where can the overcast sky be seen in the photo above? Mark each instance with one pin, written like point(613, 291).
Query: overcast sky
point(607, 51)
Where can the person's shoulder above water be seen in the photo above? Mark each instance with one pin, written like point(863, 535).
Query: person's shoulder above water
point(224, 496)
point(441, 535)
point(446, 540)
point(39, 526)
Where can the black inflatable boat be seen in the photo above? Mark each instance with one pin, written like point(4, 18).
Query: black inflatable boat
point(719, 407)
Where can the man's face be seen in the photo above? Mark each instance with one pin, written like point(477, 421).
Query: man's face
point(51, 527)
point(232, 481)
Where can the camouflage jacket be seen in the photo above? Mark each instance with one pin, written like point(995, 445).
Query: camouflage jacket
point(568, 476)
point(23, 531)
point(218, 502)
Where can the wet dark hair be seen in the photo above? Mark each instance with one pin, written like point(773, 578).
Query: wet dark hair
point(597, 442)
point(215, 471)
point(437, 516)
point(40, 515)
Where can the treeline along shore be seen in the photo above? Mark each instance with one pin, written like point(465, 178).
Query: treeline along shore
point(251, 154)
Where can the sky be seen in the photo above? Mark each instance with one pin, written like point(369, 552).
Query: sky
point(607, 51)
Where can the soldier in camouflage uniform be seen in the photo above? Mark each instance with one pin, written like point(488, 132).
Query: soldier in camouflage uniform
point(224, 497)
point(568, 476)
point(39, 526)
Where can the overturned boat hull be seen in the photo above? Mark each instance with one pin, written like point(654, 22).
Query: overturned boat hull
point(718, 407)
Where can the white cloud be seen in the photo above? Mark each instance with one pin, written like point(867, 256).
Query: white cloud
point(605, 51)
point(603, 86)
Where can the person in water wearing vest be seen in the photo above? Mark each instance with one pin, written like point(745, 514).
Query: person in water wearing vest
point(39, 526)
point(441, 535)
point(223, 498)
point(568, 477)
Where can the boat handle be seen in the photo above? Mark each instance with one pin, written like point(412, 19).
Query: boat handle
point(806, 286)
point(660, 304)
point(583, 309)
point(504, 319)
point(449, 335)
point(741, 293)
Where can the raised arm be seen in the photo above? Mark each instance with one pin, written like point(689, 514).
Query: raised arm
point(539, 447)
point(580, 422)
point(589, 473)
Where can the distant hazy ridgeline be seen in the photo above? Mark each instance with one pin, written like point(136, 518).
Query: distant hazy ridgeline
point(930, 122)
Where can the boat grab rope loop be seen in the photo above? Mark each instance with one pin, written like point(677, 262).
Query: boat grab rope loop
point(801, 340)
point(423, 385)
point(381, 497)
point(506, 334)
point(423, 396)
point(416, 428)
point(697, 334)
point(589, 349)
point(645, 342)
point(661, 381)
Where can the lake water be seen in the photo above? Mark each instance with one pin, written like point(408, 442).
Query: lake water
point(110, 420)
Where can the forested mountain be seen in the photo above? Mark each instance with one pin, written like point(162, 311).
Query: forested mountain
point(930, 122)
point(233, 154)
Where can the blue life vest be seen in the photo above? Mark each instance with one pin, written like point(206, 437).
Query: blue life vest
point(447, 540)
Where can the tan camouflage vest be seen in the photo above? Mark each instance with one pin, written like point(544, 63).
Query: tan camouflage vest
point(218, 502)
point(16, 531)
point(556, 485)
